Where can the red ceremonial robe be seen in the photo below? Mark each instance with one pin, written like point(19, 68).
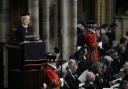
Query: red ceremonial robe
point(51, 78)
point(92, 46)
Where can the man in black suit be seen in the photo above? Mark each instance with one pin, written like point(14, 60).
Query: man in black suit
point(84, 63)
point(71, 77)
point(97, 69)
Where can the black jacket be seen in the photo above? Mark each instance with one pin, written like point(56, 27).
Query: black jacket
point(88, 85)
point(21, 32)
point(83, 65)
point(72, 80)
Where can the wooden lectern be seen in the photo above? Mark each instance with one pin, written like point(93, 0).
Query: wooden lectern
point(27, 51)
point(24, 63)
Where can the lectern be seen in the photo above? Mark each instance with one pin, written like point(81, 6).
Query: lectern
point(24, 63)
point(27, 51)
point(33, 50)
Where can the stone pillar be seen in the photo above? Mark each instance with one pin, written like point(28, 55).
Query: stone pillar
point(34, 12)
point(113, 10)
point(55, 21)
point(4, 20)
point(5, 30)
point(98, 11)
point(49, 23)
point(68, 29)
point(53, 25)
point(5, 64)
point(45, 23)
point(103, 11)
point(110, 11)
point(79, 10)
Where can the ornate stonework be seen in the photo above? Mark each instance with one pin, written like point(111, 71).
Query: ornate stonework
point(103, 11)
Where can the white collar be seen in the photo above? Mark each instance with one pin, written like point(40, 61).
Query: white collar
point(53, 66)
point(85, 57)
point(91, 82)
point(92, 30)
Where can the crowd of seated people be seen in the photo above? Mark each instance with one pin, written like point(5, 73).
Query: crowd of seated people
point(100, 73)
point(112, 58)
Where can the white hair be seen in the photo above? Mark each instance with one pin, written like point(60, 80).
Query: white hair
point(108, 58)
point(89, 75)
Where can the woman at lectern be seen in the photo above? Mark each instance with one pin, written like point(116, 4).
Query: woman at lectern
point(24, 28)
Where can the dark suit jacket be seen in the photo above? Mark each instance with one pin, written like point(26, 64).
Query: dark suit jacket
point(88, 85)
point(72, 80)
point(80, 37)
point(99, 81)
point(83, 65)
point(125, 77)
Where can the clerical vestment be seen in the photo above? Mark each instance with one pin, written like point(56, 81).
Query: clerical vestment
point(92, 46)
point(51, 78)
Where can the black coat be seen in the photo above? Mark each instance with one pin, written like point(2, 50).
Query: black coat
point(21, 32)
point(88, 85)
point(80, 37)
point(72, 80)
point(83, 65)
point(105, 80)
point(99, 81)
point(125, 77)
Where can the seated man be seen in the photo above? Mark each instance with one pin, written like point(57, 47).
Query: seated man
point(71, 77)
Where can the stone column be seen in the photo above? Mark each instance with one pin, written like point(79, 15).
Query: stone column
point(5, 64)
point(68, 29)
point(53, 25)
point(98, 11)
point(110, 11)
point(55, 21)
point(4, 20)
point(79, 10)
point(113, 10)
point(49, 23)
point(104, 11)
point(45, 22)
point(33, 7)
point(5, 30)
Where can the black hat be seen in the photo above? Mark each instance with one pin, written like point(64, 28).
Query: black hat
point(24, 14)
point(56, 50)
point(91, 24)
point(51, 57)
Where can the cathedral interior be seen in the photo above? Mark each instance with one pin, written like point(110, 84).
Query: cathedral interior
point(55, 24)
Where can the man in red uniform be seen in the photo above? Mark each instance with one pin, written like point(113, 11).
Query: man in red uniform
point(51, 77)
point(91, 42)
